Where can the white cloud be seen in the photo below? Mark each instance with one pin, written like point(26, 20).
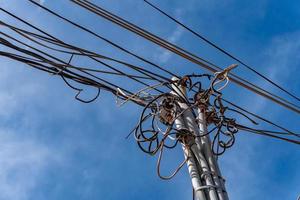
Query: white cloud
point(23, 158)
point(165, 55)
point(40, 1)
point(22, 162)
point(281, 57)
point(281, 62)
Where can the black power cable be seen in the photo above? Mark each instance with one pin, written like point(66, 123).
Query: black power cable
point(222, 50)
point(105, 39)
point(85, 53)
point(177, 50)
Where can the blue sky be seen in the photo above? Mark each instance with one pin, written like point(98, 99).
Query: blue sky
point(53, 147)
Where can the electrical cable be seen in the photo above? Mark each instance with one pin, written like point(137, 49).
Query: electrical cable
point(266, 133)
point(244, 110)
point(221, 49)
point(81, 68)
point(104, 39)
point(85, 51)
point(96, 59)
point(54, 70)
point(90, 55)
point(175, 49)
point(14, 16)
point(156, 129)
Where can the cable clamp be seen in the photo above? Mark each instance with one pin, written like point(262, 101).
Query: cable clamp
point(218, 189)
point(213, 174)
point(206, 187)
point(223, 76)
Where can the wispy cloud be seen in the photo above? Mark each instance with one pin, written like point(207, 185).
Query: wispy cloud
point(281, 57)
point(281, 61)
point(40, 1)
point(23, 161)
point(164, 55)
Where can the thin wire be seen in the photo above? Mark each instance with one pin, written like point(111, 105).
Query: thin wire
point(81, 68)
point(104, 39)
point(91, 32)
point(257, 116)
point(77, 77)
point(222, 50)
point(80, 50)
point(64, 64)
point(92, 57)
point(177, 50)
point(121, 73)
point(72, 54)
point(177, 76)
point(290, 106)
point(266, 133)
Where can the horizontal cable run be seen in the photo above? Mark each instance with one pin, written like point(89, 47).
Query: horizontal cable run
point(221, 50)
point(181, 52)
point(46, 62)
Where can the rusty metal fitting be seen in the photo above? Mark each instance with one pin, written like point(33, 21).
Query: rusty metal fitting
point(167, 110)
point(201, 98)
point(185, 136)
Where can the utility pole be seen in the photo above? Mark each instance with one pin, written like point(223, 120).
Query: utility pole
point(202, 164)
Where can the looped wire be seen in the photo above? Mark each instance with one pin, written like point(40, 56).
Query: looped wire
point(79, 92)
point(221, 77)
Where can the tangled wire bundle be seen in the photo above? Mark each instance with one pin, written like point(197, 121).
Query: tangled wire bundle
point(157, 129)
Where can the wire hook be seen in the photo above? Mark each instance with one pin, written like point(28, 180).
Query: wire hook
point(221, 77)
